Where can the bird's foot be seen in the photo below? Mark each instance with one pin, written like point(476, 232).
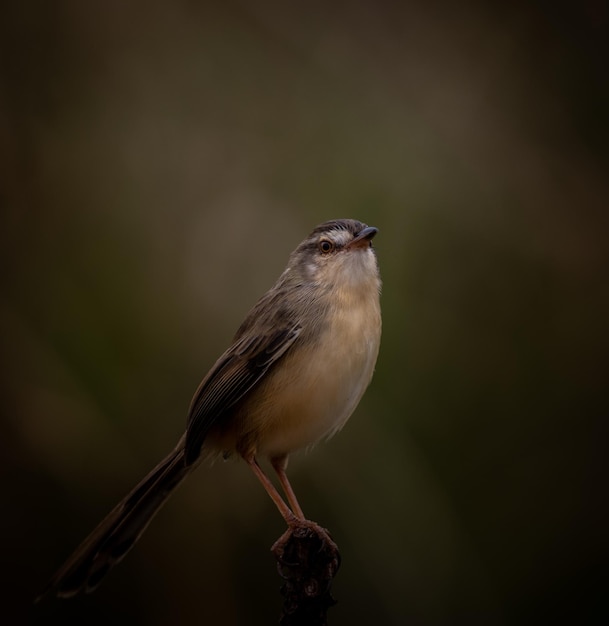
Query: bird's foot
point(304, 540)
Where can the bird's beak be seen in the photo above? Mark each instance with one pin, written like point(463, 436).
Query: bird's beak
point(363, 238)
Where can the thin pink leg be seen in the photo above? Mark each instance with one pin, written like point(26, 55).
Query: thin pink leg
point(287, 515)
point(279, 465)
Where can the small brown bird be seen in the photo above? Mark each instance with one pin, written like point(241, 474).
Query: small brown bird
point(294, 373)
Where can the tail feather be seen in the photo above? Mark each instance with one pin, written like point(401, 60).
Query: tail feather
point(117, 533)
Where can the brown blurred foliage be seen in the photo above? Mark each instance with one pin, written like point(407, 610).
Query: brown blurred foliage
point(160, 160)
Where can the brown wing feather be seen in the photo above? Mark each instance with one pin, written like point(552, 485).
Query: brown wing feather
point(235, 373)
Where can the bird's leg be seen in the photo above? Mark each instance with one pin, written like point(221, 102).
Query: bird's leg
point(279, 465)
point(305, 547)
point(287, 515)
point(301, 524)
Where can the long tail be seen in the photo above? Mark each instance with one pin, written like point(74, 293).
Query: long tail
point(119, 530)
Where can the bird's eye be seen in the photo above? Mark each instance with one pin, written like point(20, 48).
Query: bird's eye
point(326, 246)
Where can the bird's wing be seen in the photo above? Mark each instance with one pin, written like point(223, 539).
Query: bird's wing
point(233, 375)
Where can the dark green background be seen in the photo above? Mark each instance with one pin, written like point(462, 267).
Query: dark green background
point(159, 162)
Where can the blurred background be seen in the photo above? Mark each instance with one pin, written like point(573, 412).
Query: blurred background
point(159, 162)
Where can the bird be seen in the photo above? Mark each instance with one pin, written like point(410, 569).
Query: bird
point(293, 374)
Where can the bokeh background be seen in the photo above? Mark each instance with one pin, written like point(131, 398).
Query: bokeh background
point(159, 162)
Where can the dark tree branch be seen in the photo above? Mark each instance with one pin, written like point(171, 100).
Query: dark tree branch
point(307, 561)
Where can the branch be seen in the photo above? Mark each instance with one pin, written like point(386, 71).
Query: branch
point(307, 561)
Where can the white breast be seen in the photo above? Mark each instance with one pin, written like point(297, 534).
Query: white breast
point(317, 387)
